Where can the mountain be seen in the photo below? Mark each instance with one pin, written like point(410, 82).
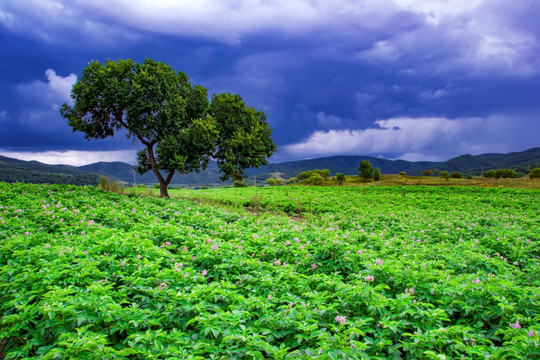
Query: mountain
point(12, 170)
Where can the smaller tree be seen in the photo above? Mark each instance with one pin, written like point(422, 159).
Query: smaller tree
point(445, 174)
point(456, 175)
point(427, 173)
point(324, 173)
point(504, 173)
point(436, 172)
point(314, 179)
point(489, 174)
point(377, 174)
point(340, 178)
point(304, 175)
point(535, 173)
point(366, 170)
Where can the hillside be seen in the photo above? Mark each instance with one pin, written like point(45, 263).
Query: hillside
point(12, 170)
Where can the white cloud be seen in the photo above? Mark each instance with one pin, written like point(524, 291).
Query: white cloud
point(434, 138)
point(54, 92)
point(73, 157)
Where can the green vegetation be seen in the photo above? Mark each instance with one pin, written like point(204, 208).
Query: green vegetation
point(365, 170)
point(172, 118)
point(370, 272)
point(535, 173)
point(340, 178)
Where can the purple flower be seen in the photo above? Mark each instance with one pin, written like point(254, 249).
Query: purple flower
point(341, 319)
point(204, 272)
point(516, 325)
point(531, 333)
point(379, 261)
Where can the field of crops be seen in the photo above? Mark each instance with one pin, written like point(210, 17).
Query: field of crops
point(354, 273)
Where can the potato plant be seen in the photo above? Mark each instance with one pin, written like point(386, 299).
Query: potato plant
point(367, 273)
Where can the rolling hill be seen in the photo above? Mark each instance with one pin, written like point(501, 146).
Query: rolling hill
point(12, 170)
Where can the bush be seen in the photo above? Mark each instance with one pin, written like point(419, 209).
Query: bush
point(314, 179)
point(504, 173)
point(274, 181)
point(436, 171)
point(445, 174)
point(427, 173)
point(340, 178)
point(304, 175)
point(535, 173)
point(142, 186)
point(377, 174)
point(292, 180)
point(402, 173)
point(240, 183)
point(489, 174)
point(456, 175)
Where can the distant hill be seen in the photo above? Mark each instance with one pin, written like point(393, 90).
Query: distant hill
point(12, 170)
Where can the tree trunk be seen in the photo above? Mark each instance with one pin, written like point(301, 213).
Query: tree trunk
point(163, 183)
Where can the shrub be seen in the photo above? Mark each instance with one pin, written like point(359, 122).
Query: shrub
point(535, 173)
point(314, 179)
point(240, 183)
point(456, 175)
point(402, 173)
point(489, 174)
point(504, 173)
point(274, 181)
point(377, 174)
point(436, 171)
point(292, 180)
point(340, 178)
point(142, 186)
point(427, 173)
point(304, 175)
point(445, 174)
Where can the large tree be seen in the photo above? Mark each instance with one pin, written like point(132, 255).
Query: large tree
point(157, 106)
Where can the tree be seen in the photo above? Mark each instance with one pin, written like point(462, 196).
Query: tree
point(445, 174)
point(456, 175)
point(244, 140)
point(427, 173)
point(535, 173)
point(377, 174)
point(489, 174)
point(167, 114)
point(504, 173)
point(366, 170)
point(304, 175)
point(340, 178)
point(324, 173)
point(314, 179)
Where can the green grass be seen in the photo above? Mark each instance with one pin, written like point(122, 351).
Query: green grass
point(368, 272)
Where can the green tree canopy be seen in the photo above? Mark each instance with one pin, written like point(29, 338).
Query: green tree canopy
point(366, 170)
point(340, 178)
point(169, 116)
point(535, 173)
point(244, 138)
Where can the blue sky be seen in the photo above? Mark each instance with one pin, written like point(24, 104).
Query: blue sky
point(410, 79)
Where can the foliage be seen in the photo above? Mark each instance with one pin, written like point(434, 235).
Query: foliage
point(444, 272)
point(162, 110)
point(504, 173)
point(340, 178)
point(427, 173)
point(402, 173)
point(456, 175)
point(274, 181)
point(535, 173)
point(445, 175)
point(489, 174)
point(239, 184)
point(377, 174)
point(314, 179)
point(366, 170)
point(244, 136)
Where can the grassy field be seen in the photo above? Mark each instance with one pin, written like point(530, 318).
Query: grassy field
point(353, 272)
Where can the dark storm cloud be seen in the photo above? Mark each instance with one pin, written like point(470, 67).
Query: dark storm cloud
point(400, 78)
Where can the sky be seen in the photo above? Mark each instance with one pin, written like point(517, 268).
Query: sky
point(409, 79)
